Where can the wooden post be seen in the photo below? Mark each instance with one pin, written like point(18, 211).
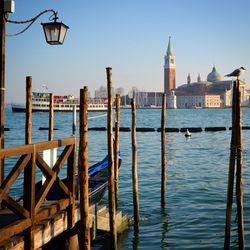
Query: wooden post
point(30, 169)
point(117, 145)
point(163, 152)
point(2, 83)
point(71, 176)
point(29, 199)
point(231, 173)
point(134, 169)
point(84, 241)
point(51, 117)
point(74, 121)
point(235, 154)
point(28, 125)
point(239, 188)
point(112, 206)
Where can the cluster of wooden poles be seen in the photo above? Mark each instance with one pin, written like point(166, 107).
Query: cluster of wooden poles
point(113, 150)
point(235, 157)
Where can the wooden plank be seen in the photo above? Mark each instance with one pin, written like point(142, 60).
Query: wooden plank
point(14, 228)
point(40, 146)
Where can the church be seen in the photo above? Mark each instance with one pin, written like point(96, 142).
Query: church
point(214, 92)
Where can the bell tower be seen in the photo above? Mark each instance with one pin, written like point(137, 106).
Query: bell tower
point(169, 69)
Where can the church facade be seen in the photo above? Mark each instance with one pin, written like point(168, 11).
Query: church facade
point(214, 92)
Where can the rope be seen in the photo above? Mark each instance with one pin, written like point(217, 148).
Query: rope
point(93, 117)
point(31, 21)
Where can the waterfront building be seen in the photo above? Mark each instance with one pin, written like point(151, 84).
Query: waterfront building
point(214, 92)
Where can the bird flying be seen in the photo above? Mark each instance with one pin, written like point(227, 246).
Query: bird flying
point(237, 72)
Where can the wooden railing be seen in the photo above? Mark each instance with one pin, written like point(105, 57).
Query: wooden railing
point(29, 210)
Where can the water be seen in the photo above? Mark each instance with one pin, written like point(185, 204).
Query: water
point(197, 170)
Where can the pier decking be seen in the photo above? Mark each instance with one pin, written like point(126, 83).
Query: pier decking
point(51, 227)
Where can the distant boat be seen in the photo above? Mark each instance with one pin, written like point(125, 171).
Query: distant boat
point(41, 103)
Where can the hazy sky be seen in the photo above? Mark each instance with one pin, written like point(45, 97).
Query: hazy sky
point(131, 36)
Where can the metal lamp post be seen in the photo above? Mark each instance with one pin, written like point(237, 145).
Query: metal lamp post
point(54, 32)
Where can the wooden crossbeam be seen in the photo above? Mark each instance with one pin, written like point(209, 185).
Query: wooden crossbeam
point(15, 207)
point(12, 176)
point(52, 173)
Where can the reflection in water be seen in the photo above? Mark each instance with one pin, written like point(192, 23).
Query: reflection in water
point(164, 244)
point(135, 242)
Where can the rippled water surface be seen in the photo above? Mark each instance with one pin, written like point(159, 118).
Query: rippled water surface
point(197, 170)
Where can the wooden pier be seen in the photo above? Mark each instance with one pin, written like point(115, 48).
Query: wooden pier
point(57, 224)
point(33, 221)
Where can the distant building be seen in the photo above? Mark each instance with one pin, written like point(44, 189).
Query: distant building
point(169, 69)
point(101, 92)
point(212, 93)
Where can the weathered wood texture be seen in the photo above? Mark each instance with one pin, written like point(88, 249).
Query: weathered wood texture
point(163, 152)
point(112, 206)
point(235, 157)
point(134, 169)
point(51, 117)
point(84, 235)
point(30, 211)
point(74, 121)
point(117, 146)
point(2, 84)
point(54, 225)
point(239, 185)
point(28, 124)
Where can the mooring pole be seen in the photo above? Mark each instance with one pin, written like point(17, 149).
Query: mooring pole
point(239, 186)
point(112, 206)
point(84, 235)
point(2, 82)
point(231, 173)
point(74, 121)
point(28, 124)
point(163, 152)
point(51, 117)
point(117, 145)
point(134, 169)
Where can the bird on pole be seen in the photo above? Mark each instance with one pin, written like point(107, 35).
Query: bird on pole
point(236, 73)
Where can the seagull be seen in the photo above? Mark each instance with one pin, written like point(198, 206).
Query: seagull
point(188, 134)
point(237, 72)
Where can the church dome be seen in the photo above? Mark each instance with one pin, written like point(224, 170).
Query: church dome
point(213, 76)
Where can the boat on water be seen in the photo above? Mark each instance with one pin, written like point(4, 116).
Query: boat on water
point(66, 103)
point(98, 183)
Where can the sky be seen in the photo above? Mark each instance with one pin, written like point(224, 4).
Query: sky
point(131, 36)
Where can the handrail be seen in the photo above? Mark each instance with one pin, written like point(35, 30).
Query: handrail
point(40, 146)
point(30, 211)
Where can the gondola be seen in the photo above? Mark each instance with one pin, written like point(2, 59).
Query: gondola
point(98, 183)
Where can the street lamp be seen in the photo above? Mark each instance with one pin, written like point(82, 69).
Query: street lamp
point(55, 33)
